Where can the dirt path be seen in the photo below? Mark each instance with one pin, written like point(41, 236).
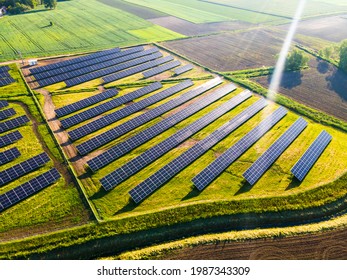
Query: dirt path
point(58, 165)
point(324, 245)
point(63, 138)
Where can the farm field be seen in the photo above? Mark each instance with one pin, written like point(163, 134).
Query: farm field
point(244, 50)
point(324, 28)
point(322, 86)
point(78, 26)
point(197, 11)
point(325, 245)
point(56, 207)
point(192, 29)
point(275, 7)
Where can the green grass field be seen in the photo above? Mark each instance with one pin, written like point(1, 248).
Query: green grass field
point(78, 26)
point(257, 11)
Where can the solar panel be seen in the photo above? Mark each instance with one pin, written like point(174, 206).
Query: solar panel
point(10, 138)
point(306, 162)
point(91, 62)
point(135, 165)
point(258, 168)
point(4, 114)
point(137, 69)
point(107, 136)
point(3, 103)
point(112, 104)
point(22, 168)
point(4, 75)
point(183, 69)
point(143, 57)
point(211, 172)
point(9, 155)
point(163, 175)
point(27, 189)
point(115, 63)
point(68, 109)
point(6, 81)
point(4, 68)
point(160, 69)
point(13, 123)
point(124, 147)
point(72, 61)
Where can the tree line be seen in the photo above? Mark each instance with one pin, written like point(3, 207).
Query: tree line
point(21, 6)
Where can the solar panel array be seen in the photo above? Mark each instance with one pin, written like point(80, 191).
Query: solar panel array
point(22, 168)
point(4, 68)
point(83, 64)
point(258, 168)
point(306, 162)
point(183, 69)
point(135, 165)
point(27, 189)
point(4, 114)
point(6, 81)
point(211, 172)
point(4, 74)
point(10, 138)
point(160, 69)
point(9, 155)
point(143, 57)
point(72, 61)
point(3, 103)
point(111, 64)
point(167, 172)
point(137, 69)
point(13, 123)
point(112, 104)
point(124, 147)
point(109, 135)
point(85, 102)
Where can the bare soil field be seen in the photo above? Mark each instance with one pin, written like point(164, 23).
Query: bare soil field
point(322, 86)
point(140, 11)
point(330, 245)
point(324, 28)
point(230, 52)
point(191, 29)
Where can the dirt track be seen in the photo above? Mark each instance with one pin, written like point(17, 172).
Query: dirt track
point(325, 245)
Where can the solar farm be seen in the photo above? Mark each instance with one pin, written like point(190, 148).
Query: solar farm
point(137, 138)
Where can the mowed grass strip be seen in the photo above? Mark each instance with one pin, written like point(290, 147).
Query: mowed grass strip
point(78, 26)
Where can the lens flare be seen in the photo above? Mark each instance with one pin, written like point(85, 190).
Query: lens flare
point(280, 64)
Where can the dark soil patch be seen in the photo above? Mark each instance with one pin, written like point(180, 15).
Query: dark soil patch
point(140, 11)
point(230, 52)
point(324, 245)
point(331, 28)
point(323, 87)
point(191, 29)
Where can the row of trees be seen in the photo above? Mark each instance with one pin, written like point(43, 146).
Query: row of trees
point(20, 6)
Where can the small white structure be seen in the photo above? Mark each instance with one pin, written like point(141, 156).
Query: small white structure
point(32, 62)
point(2, 11)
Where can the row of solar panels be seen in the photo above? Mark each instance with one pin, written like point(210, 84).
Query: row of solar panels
point(17, 171)
point(5, 77)
point(110, 67)
point(150, 184)
point(73, 61)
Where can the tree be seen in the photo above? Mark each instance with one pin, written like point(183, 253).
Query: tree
point(296, 60)
point(343, 56)
point(51, 4)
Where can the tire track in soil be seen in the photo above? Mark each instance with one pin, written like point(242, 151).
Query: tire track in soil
point(35, 127)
